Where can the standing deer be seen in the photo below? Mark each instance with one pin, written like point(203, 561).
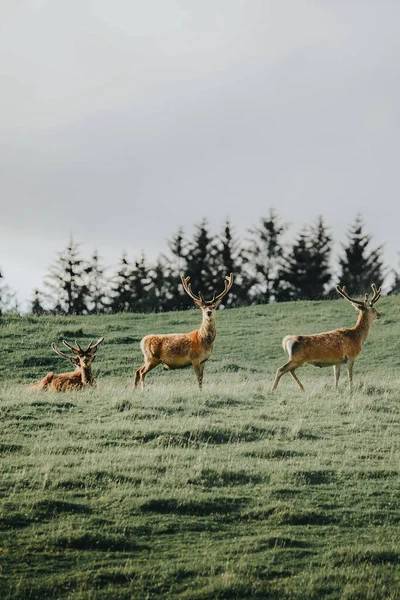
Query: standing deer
point(333, 348)
point(178, 350)
point(76, 380)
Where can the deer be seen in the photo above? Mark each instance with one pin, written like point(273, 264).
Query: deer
point(76, 380)
point(179, 350)
point(332, 348)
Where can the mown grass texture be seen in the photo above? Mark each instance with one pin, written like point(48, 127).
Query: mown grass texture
point(233, 492)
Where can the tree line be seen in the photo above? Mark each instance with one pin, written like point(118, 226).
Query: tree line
point(266, 269)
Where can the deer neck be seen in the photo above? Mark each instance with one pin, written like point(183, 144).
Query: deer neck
point(86, 375)
point(208, 330)
point(363, 324)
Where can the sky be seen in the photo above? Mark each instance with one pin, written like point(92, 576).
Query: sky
point(122, 121)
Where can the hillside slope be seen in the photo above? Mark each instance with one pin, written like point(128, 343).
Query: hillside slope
point(233, 492)
point(247, 338)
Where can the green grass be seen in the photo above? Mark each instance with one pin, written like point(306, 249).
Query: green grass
point(233, 492)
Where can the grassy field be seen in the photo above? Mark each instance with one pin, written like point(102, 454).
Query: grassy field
point(234, 492)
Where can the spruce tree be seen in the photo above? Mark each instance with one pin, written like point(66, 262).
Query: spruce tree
point(140, 287)
point(320, 275)
point(174, 265)
point(178, 247)
point(293, 282)
point(8, 300)
point(164, 290)
point(37, 307)
point(120, 292)
point(360, 266)
point(68, 291)
point(97, 299)
point(264, 255)
point(200, 262)
point(395, 288)
point(305, 271)
point(228, 258)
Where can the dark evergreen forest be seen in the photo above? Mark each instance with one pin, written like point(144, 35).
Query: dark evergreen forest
point(266, 269)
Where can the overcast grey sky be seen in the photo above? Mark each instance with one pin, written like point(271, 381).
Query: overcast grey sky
point(123, 120)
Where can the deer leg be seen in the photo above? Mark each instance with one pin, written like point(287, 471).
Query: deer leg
point(336, 371)
point(293, 374)
point(287, 367)
point(198, 369)
point(350, 364)
point(137, 377)
point(140, 373)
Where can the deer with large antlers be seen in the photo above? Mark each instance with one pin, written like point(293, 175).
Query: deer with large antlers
point(76, 380)
point(178, 350)
point(333, 348)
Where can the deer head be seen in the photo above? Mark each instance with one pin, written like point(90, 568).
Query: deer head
point(207, 306)
point(80, 358)
point(365, 305)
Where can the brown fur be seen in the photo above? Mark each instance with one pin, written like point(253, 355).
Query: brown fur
point(332, 348)
point(179, 350)
point(76, 380)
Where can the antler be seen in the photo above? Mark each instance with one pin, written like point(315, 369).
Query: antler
point(377, 294)
point(74, 350)
point(375, 297)
point(93, 348)
point(57, 351)
point(342, 292)
point(188, 289)
point(228, 284)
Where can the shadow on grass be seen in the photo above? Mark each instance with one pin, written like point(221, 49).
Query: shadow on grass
point(210, 478)
point(306, 517)
point(127, 339)
point(38, 361)
point(14, 521)
point(205, 508)
point(10, 448)
point(216, 436)
point(44, 509)
point(97, 479)
point(53, 405)
point(377, 474)
point(279, 542)
point(312, 477)
point(275, 453)
point(349, 556)
point(106, 543)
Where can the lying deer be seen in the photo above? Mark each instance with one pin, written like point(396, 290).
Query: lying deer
point(76, 380)
point(333, 348)
point(178, 350)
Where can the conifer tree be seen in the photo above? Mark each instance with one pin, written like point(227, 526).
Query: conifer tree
point(264, 256)
point(140, 287)
point(174, 265)
point(68, 291)
point(360, 266)
point(120, 292)
point(178, 247)
point(200, 262)
point(293, 281)
point(8, 300)
point(305, 270)
point(228, 258)
point(164, 290)
point(37, 307)
point(395, 288)
point(97, 300)
point(320, 274)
